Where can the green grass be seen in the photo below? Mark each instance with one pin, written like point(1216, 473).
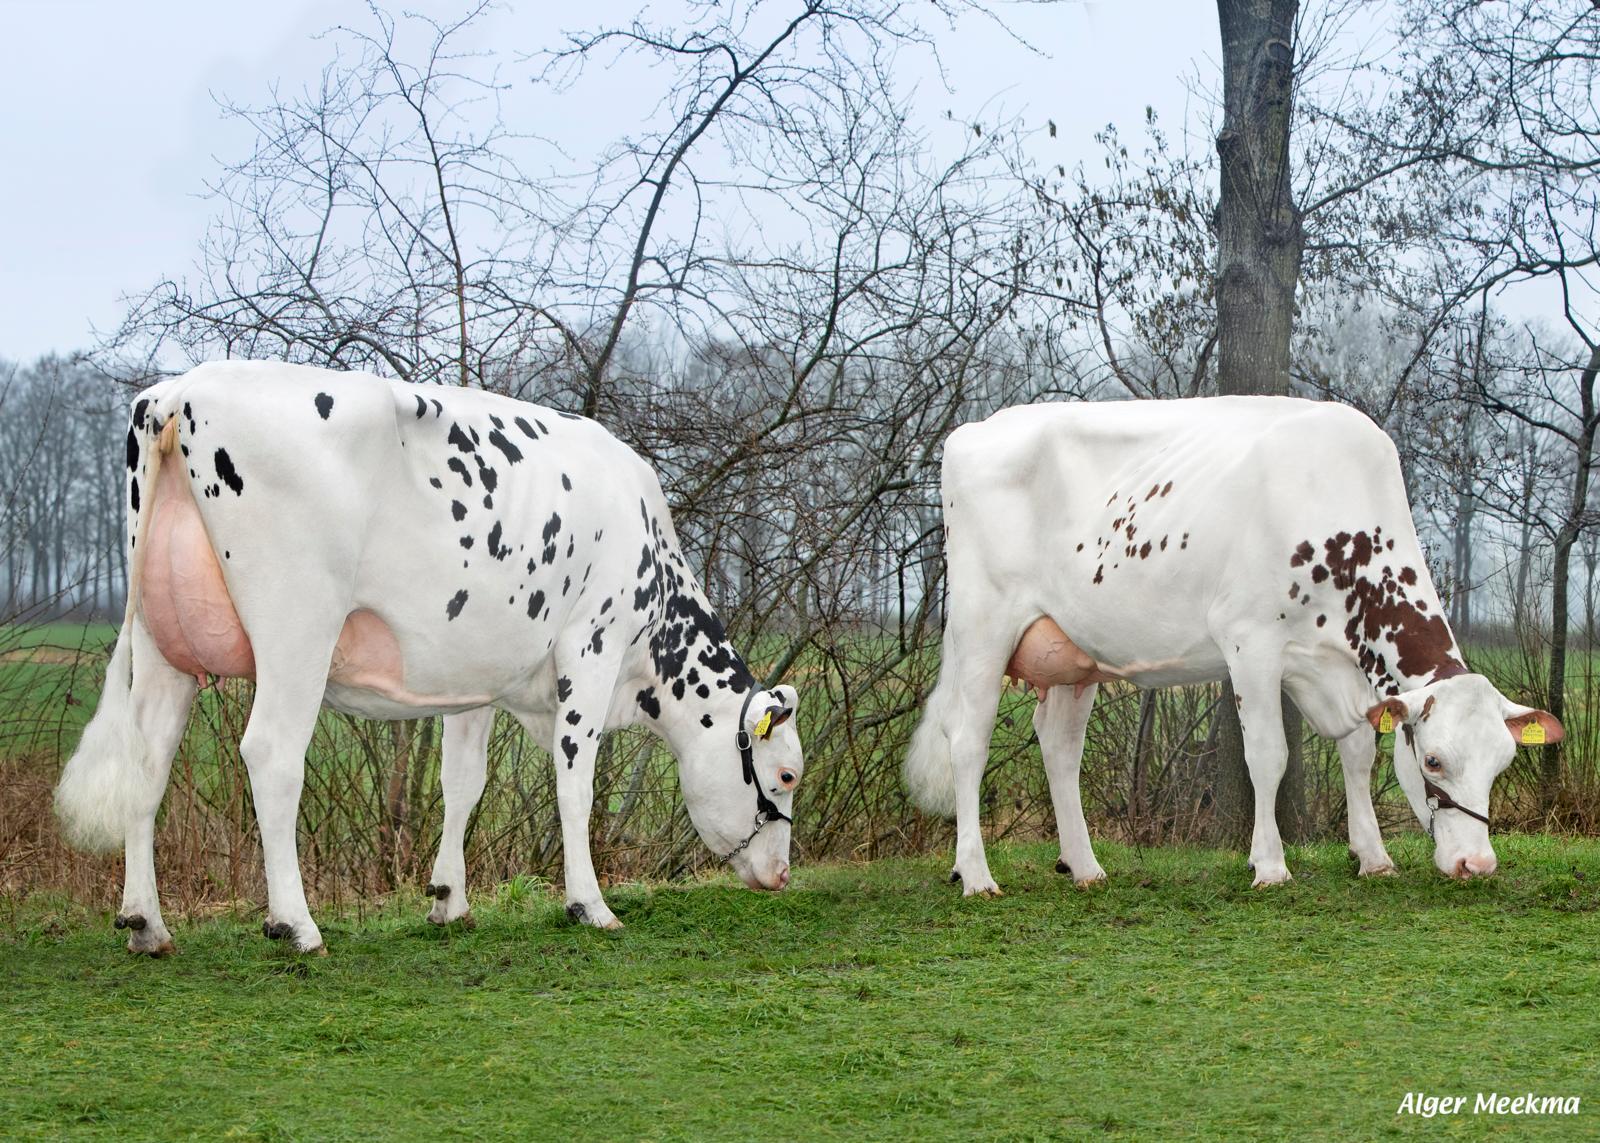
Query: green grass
point(867, 1002)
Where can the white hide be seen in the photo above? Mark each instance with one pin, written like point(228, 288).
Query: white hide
point(397, 551)
point(1264, 540)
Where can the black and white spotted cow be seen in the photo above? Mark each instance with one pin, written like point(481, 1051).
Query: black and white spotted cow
point(395, 551)
point(1262, 539)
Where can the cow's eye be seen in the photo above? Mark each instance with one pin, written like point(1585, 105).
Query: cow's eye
point(1432, 763)
point(788, 778)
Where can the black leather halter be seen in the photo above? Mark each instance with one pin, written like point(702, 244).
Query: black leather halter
point(1438, 800)
point(766, 809)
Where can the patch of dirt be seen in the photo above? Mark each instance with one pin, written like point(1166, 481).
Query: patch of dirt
point(55, 656)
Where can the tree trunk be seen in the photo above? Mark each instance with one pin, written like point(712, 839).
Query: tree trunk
point(1555, 696)
point(1259, 245)
point(1143, 754)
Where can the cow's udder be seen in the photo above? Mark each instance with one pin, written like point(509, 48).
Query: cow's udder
point(1045, 657)
point(185, 600)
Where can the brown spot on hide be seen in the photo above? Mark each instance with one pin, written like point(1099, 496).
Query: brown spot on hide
point(1154, 489)
point(1144, 551)
point(1167, 488)
point(1294, 591)
point(1303, 554)
point(1379, 612)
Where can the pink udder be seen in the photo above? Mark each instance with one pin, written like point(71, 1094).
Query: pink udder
point(367, 655)
point(1046, 658)
point(185, 600)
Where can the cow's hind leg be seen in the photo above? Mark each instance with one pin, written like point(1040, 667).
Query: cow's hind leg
point(1060, 720)
point(1258, 686)
point(291, 675)
point(1356, 751)
point(162, 696)
point(971, 725)
point(463, 767)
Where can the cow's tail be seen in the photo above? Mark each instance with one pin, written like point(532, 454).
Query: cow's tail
point(110, 775)
point(929, 773)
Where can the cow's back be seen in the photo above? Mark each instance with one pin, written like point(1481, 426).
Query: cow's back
point(1134, 524)
point(466, 533)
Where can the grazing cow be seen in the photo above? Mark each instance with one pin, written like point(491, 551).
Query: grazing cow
point(1262, 539)
point(396, 551)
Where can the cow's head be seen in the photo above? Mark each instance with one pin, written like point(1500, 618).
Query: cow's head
point(1452, 739)
point(739, 786)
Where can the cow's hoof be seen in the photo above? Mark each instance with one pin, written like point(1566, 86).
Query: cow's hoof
point(1095, 877)
point(598, 917)
point(146, 944)
point(989, 890)
point(464, 920)
point(1387, 869)
point(134, 921)
point(1271, 875)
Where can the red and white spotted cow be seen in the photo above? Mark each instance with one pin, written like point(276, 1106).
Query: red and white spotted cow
point(1262, 539)
point(399, 550)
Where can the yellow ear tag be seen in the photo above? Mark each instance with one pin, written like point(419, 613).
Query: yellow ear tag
point(1386, 722)
point(1533, 733)
point(764, 727)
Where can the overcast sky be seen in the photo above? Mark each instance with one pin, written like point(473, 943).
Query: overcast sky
point(111, 126)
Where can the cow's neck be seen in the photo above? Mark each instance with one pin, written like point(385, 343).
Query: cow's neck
point(695, 683)
point(1393, 619)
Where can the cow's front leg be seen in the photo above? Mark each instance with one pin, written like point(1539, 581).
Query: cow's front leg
point(1258, 687)
point(579, 721)
point(462, 770)
point(1356, 751)
point(162, 696)
point(1060, 721)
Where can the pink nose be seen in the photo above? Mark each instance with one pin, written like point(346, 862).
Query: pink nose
point(1481, 865)
point(783, 878)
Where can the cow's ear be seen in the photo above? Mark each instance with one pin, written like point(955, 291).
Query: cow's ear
point(1388, 714)
point(1532, 727)
point(788, 702)
point(778, 710)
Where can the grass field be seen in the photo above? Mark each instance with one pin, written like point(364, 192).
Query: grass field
point(868, 1002)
